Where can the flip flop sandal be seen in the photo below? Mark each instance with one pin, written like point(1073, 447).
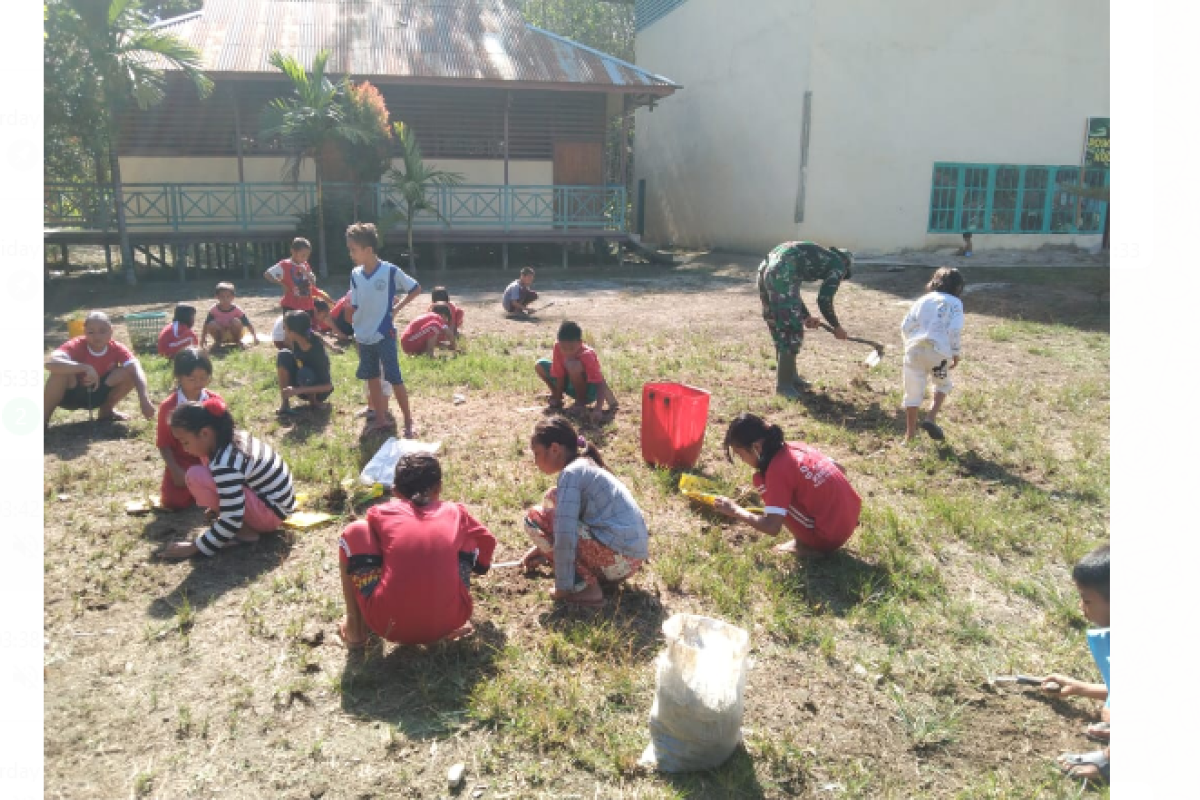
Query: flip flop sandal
point(286, 412)
point(353, 646)
point(934, 431)
point(1067, 762)
point(1098, 732)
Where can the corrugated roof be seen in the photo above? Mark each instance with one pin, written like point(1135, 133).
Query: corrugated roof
point(419, 40)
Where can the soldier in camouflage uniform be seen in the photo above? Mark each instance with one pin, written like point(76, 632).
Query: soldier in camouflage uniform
point(779, 279)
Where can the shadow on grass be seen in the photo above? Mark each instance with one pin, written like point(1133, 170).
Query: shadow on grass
point(423, 690)
point(836, 582)
point(826, 407)
point(212, 577)
point(634, 612)
point(308, 422)
point(970, 464)
point(733, 779)
point(71, 440)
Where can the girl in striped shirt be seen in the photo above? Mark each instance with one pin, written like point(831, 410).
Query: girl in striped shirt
point(243, 483)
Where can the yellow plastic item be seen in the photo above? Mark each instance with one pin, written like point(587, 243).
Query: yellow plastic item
point(74, 328)
point(302, 499)
point(303, 520)
point(700, 489)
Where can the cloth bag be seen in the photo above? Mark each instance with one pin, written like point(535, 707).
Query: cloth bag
point(696, 719)
point(381, 468)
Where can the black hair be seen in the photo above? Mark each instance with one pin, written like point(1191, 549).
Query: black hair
point(188, 359)
point(442, 310)
point(439, 295)
point(363, 234)
point(300, 243)
point(194, 417)
point(745, 430)
point(298, 322)
point(1092, 571)
point(948, 280)
point(527, 271)
point(185, 314)
point(556, 430)
point(320, 305)
point(418, 475)
point(570, 332)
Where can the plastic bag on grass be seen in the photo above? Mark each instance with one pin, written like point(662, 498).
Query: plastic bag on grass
point(696, 719)
point(381, 468)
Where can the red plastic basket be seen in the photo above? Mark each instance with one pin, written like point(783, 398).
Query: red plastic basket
point(674, 417)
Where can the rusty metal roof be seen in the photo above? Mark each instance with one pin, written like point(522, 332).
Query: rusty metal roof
point(450, 41)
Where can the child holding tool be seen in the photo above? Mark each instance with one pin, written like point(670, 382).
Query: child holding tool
point(932, 332)
point(241, 480)
point(406, 569)
point(802, 489)
point(588, 527)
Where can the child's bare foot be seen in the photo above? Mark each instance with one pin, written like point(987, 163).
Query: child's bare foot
point(798, 550)
point(410, 431)
point(533, 559)
point(460, 633)
point(591, 597)
point(379, 426)
point(354, 640)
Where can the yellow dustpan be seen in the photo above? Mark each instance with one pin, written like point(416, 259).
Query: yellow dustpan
point(702, 490)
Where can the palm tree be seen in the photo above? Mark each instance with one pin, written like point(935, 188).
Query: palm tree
point(307, 123)
point(123, 50)
point(413, 179)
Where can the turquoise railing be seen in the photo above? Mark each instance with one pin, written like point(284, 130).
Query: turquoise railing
point(272, 206)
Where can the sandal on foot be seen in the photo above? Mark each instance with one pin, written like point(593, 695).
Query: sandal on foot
point(934, 431)
point(351, 645)
point(1097, 732)
point(1076, 765)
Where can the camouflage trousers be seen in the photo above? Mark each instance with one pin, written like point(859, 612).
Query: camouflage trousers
point(783, 313)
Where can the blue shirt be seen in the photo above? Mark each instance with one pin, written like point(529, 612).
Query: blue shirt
point(1098, 642)
point(372, 297)
point(593, 499)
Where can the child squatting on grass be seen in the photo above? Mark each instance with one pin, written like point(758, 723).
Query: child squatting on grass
point(440, 295)
point(193, 370)
point(178, 333)
point(245, 487)
point(518, 294)
point(226, 323)
point(374, 286)
point(588, 527)
point(1091, 581)
point(303, 365)
point(932, 332)
point(802, 489)
point(430, 331)
point(574, 368)
point(406, 569)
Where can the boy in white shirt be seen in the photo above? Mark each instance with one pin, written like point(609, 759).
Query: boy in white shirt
point(374, 286)
point(932, 332)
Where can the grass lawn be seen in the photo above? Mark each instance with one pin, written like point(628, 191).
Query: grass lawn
point(224, 677)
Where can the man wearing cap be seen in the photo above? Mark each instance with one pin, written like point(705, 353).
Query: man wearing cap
point(94, 372)
point(779, 279)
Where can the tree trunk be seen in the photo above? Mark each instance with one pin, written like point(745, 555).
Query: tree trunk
point(324, 262)
point(412, 256)
point(114, 165)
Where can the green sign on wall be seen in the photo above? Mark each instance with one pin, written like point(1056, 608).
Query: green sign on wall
point(1095, 149)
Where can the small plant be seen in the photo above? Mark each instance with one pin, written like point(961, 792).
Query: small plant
point(143, 783)
point(928, 724)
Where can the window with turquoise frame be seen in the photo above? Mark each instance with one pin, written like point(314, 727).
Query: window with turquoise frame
point(1011, 198)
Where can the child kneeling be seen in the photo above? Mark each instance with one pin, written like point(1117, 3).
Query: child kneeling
point(588, 527)
point(406, 568)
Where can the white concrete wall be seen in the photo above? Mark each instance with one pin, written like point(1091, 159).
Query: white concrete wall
point(491, 173)
point(896, 87)
point(721, 157)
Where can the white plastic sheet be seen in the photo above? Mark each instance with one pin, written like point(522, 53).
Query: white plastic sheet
point(696, 719)
point(382, 466)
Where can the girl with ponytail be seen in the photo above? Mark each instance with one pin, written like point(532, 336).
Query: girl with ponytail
point(406, 568)
point(589, 527)
point(803, 489)
point(242, 483)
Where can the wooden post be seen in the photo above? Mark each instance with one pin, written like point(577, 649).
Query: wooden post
point(504, 255)
point(162, 254)
point(245, 262)
point(196, 254)
point(564, 255)
point(208, 255)
point(66, 258)
point(507, 106)
point(180, 266)
point(108, 258)
point(237, 132)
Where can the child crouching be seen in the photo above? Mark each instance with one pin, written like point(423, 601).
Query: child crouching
point(406, 569)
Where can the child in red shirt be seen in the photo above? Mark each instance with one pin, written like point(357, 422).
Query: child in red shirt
point(94, 371)
point(457, 315)
point(193, 371)
point(178, 334)
point(226, 323)
point(429, 331)
point(297, 279)
point(574, 369)
point(802, 489)
point(406, 568)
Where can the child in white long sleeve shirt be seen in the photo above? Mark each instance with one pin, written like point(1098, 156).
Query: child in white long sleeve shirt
point(932, 332)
